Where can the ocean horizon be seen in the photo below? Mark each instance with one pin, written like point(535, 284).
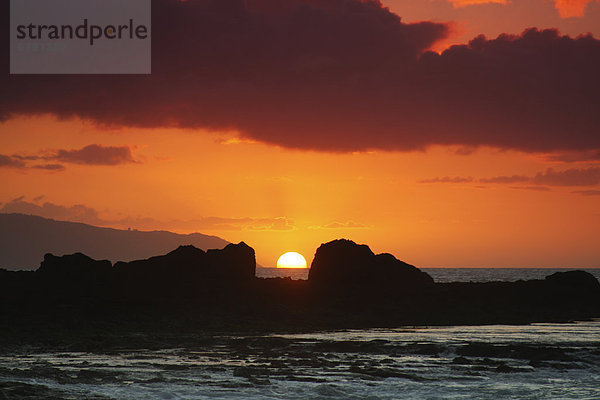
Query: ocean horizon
point(448, 274)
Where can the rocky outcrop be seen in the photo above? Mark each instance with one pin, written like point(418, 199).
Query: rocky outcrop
point(186, 270)
point(235, 261)
point(69, 276)
point(183, 261)
point(348, 287)
point(74, 266)
point(345, 263)
point(188, 264)
point(574, 279)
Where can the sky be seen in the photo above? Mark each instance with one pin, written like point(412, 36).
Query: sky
point(448, 133)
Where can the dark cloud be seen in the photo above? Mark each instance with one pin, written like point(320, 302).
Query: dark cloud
point(94, 154)
point(550, 177)
point(575, 156)
point(569, 177)
point(465, 150)
point(10, 162)
point(335, 75)
point(535, 188)
point(17, 161)
point(448, 179)
point(49, 167)
point(587, 192)
point(506, 179)
point(23, 157)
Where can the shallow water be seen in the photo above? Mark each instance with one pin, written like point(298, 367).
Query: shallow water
point(540, 361)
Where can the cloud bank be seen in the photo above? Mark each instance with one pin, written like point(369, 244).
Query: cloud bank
point(569, 177)
point(335, 75)
point(93, 154)
point(85, 214)
point(448, 179)
point(550, 177)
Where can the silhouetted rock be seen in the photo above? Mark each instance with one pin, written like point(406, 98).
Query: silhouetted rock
point(574, 279)
point(190, 265)
point(74, 266)
point(69, 277)
point(343, 262)
point(235, 261)
point(183, 261)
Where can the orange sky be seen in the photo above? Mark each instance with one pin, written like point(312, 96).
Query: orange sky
point(298, 199)
point(492, 17)
point(566, 8)
point(428, 208)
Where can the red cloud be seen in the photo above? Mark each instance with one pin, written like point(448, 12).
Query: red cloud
point(569, 177)
point(550, 177)
point(49, 167)
point(506, 179)
point(16, 161)
point(336, 75)
point(587, 192)
point(10, 162)
point(95, 154)
point(448, 179)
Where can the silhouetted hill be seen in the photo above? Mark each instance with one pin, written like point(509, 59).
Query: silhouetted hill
point(24, 239)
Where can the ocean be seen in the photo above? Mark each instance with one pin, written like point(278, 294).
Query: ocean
point(441, 275)
point(537, 361)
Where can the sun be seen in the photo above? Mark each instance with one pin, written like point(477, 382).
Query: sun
point(291, 260)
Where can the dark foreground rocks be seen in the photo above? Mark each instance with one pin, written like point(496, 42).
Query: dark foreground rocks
point(87, 303)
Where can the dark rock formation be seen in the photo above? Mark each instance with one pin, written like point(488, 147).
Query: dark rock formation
point(343, 262)
point(181, 262)
point(70, 277)
point(74, 266)
point(234, 262)
point(348, 287)
point(574, 279)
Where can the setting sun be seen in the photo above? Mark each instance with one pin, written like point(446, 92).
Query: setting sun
point(291, 260)
point(438, 161)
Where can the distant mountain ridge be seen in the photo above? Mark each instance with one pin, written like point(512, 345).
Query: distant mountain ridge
point(25, 239)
